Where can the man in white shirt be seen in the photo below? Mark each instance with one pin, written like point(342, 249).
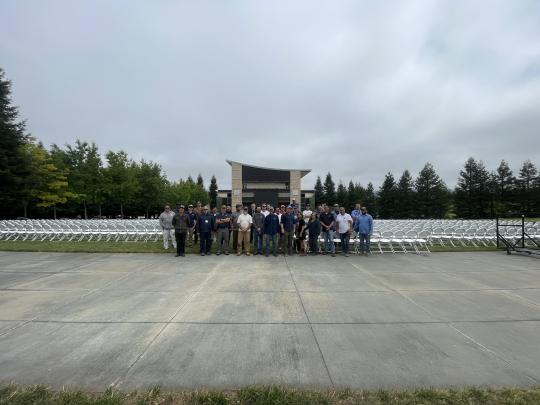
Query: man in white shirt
point(244, 222)
point(344, 227)
point(165, 221)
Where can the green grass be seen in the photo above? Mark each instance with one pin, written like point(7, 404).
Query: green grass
point(150, 247)
point(19, 395)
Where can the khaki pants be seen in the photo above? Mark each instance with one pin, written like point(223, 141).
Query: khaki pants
point(243, 236)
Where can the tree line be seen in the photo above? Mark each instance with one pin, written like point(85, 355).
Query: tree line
point(479, 193)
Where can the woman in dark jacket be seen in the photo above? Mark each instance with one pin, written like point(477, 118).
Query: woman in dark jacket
point(314, 230)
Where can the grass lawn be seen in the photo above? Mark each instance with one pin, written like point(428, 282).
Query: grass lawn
point(150, 247)
point(272, 395)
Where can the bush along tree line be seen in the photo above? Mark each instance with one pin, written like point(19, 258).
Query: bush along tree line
point(74, 180)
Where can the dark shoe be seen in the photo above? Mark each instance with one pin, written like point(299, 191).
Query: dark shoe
point(218, 253)
point(333, 255)
point(183, 255)
point(226, 253)
point(266, 254)
point(273, 254)
point(202, 254)
point(177, 255)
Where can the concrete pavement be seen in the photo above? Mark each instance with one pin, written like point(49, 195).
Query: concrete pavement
point(137, 320)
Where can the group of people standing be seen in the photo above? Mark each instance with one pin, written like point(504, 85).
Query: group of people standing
point(266, 229)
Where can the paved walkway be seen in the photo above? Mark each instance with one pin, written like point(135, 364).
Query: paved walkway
point(136, 320)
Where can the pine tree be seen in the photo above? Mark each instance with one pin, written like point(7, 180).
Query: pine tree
point(351, 197)
point(405, 196)
point(504, 195)
point(432, 196)
point(472, 191)
point(329, 190)
point(528, 189)
point(213, 191)
point(200, 180)
point(387, 197)
point(341, 196)
point(319, 191)
point(13, 165)
point(370, 200)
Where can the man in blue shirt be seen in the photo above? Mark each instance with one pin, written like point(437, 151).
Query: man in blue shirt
point(271, 230)
point(364, 227)
point(288, 221)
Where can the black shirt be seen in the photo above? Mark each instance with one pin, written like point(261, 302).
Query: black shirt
point(326, 218)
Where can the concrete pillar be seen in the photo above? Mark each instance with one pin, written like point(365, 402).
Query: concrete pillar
point(236, 182)
point(295, 186)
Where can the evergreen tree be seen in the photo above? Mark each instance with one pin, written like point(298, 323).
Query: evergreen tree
point(432, 196)
point(200, 180)
point(329, 190)
point(370, 200)
point(341, 195)
point(13, 165)
point(319, 191)
point(351, 197)
point(213, 191)
point(387, 203)
point(190, 179)
point(472, 191)
point(405, 196)
point(504, 193)
point(528, 188)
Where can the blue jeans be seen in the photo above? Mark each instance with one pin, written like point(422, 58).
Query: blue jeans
point(365, 242)
point(329, 241)
point(345, 242)
point(257, 241)
point(269, 238)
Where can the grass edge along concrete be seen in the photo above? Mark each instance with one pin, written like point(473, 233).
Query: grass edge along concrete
point(151, 247)
point(40, 394)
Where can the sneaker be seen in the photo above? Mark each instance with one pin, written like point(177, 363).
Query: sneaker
point(248, 254)
point(346, 255)
point(202, 254)
point(177, 255)
point(218, 253)
point(238, 254)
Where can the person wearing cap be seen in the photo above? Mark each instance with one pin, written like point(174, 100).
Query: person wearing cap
point(271, 231)
point(180, 222)
point(344, 227)
point(205, 225)
point(234, 225)
point(165, 221)
point(364, 227)
point(288, 222)
point(223, 225)
point(192, 224)
point(244, 228)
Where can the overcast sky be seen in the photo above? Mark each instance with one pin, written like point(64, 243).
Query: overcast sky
point(356, 88)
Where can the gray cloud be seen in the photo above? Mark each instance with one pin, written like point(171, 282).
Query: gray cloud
point(354, 88)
